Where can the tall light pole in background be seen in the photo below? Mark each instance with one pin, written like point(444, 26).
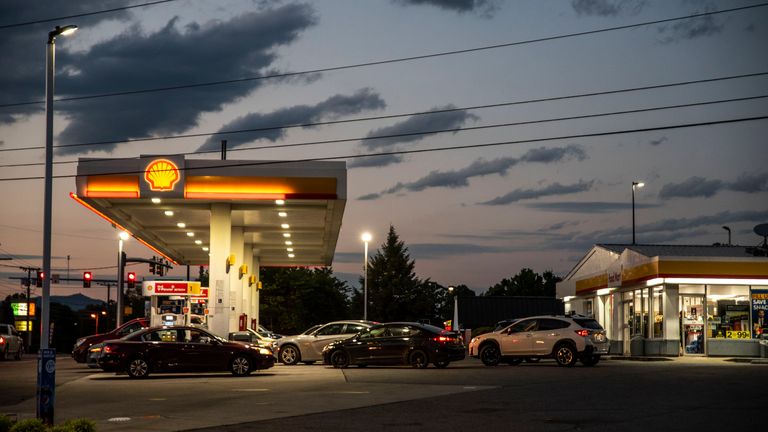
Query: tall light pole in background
point(120, 270)
point(455, 321)
point(366, 238)
point(634, 185)
point(50, 61)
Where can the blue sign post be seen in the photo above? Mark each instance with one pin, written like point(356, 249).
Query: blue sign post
point(46, 384)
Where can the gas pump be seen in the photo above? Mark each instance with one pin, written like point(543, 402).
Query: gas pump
point(175, 302)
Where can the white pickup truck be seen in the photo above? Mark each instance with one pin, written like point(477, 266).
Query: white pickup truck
point(10, 342)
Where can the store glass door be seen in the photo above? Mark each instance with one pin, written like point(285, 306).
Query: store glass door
point(692, 315)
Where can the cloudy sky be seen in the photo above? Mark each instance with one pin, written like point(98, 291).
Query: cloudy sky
point(508, 133)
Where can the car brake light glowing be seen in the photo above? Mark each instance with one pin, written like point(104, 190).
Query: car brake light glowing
point(2, 340)
point(108, 349)
point(582, 332)
point(444, 339)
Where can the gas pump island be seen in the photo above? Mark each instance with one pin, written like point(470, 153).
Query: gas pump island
point(234, 216)
point(176, 302)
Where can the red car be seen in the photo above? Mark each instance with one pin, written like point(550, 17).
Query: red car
point(80, 350)
point(181, 349)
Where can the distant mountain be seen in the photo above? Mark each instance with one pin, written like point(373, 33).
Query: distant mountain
point(76, 302)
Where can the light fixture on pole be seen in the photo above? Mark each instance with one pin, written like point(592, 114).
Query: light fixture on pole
point(634, 185)
point(366, 237)
point(50, 60)
point(729, 234)
point(120, 274)
point(455, 321)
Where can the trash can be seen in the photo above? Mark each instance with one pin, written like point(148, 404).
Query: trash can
point(764, 346)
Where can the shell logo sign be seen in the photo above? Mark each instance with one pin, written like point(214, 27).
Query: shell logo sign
point(162, 175)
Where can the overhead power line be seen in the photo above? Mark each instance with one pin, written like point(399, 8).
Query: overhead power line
point(392, 116)
point(40, 21)
point(390, 61)
point(429, 132)
point(429, 150)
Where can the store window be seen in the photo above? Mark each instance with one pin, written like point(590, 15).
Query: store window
point(658, 312)
point(588, 308)
point(728, 310)
point(759, 311)
point(641, 312)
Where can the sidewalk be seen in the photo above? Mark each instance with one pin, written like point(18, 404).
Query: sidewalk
point(690, 359)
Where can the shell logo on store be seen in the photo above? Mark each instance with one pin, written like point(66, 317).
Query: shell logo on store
point(162, 175)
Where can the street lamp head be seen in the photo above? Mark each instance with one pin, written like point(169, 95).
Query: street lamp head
point(451, 288)
point(366, 237)
point(124, 235)
point(64, 31)
point(637, 184)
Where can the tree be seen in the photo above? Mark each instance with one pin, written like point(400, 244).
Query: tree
point(394, 291)
point(294, 299)
point(526, 283)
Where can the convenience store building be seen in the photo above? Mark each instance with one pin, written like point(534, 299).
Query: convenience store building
point(667, 300)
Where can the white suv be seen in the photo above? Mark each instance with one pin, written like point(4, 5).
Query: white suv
point(566, 339)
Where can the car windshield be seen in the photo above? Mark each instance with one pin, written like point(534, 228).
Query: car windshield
point(132, 334)
point(311, 329)
point(588, 323)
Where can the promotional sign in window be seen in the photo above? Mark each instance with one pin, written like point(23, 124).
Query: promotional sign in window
point(20, 309)
point(759, 312)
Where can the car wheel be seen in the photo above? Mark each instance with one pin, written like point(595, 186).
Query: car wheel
point(419, 359)
point(514, 361)
point(138, 368)
point(565, 355)
point(241, 366)
point(4, 354)
point(490, 355)
point(590, 360)
point(290, 355)
point(442, 364)
point(532, 359)
point(339, 359)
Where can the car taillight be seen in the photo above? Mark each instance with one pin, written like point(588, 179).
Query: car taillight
point(582, 332)
point(444, 339)
point(2, 340)
point(109, 349)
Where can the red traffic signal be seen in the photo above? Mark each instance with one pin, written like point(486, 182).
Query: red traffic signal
point(131, 279)
point(87, 278)
point(39, 282)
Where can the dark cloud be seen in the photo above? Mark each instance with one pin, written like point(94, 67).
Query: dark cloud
point(333, 107)
point(692, 28)
point(415, 126)
point(243, 46)
point(482, 7)
point(23, 48)
point(659, 141)
point(607, 7)
point(369, 197)
point(588, 207)
point(692, 187)
point(480, 168)
point(750, 183)
point(553, 189)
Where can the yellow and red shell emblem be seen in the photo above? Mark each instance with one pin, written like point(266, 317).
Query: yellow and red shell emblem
point(162, 175)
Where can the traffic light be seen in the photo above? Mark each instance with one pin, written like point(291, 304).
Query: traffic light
point(131, 280)
point(40, 276)
point(87, 278)
point(152, 266)
point(160, 268)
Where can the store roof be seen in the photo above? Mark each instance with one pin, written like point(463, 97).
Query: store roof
point(314, 195)
point(724, 251)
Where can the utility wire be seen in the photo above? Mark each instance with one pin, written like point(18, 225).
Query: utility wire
point(429, 132)
point(392, 116)
point(395, 60)
point(21, 24)
point(461, 147)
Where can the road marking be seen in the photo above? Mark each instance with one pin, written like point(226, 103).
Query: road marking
point(119, 419)
point(251, 390)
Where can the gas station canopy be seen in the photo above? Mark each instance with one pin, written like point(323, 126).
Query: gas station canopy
point(290, 212)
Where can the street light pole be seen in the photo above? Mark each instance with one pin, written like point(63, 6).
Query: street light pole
point(120, 275)
point(366, 238)
point(634, 185)
point(455, 321)
point(50, 61)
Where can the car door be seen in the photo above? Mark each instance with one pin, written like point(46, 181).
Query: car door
point(396, 343)
point(202, 352)
point(313, 350)
point(548, 332)
point(163, 349)
point(365, 348)
point(517, 338)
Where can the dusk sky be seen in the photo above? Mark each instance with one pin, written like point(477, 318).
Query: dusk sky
point(545, 113)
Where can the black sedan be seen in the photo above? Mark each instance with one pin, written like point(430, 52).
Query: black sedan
point(405, 343)
point(181, 349)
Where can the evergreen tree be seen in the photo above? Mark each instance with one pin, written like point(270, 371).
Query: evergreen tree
point(394, 291)
point(526, 283)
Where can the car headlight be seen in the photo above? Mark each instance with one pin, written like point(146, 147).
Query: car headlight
point(265, 351)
